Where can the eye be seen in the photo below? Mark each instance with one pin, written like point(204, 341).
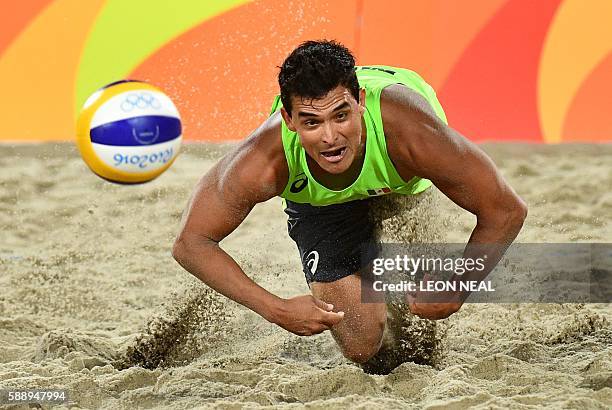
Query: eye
point(310, 123)
point(341, 115)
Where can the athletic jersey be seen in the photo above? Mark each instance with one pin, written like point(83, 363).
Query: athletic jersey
point(378, 175)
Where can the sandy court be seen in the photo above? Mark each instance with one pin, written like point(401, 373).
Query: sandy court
point(86, 276)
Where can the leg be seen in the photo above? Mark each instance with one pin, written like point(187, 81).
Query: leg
point(406, 220)
point(360, 334)
point(330, 240)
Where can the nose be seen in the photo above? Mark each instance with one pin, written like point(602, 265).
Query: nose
point(329, 134)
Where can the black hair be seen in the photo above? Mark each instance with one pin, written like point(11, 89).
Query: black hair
point(315, 68)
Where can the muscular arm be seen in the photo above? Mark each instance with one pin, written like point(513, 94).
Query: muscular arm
point(254, 172)
point(420, 144)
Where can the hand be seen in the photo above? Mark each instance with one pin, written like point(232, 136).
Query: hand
point(433, 305)
point(306, 315)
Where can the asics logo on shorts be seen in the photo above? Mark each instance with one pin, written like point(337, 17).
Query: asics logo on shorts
point(312, 259)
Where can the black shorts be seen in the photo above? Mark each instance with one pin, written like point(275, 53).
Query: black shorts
point(334, 241)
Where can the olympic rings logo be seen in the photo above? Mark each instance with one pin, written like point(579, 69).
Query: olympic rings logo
point(140, 100)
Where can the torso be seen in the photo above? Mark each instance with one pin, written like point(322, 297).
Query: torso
point(333, 190)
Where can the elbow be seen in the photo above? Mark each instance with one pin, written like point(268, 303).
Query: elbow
point(181, 247)
point(186, 246)
point(506, 218)
point(178, 249)
point(515, 216)
point(520, 212)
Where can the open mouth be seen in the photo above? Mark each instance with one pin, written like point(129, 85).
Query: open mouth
point(335, 155)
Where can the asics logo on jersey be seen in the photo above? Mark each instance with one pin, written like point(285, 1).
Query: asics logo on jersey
point(299, 184)
point(312, 261)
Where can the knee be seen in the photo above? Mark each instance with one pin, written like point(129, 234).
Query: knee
point(361, 353)
point(360, 347)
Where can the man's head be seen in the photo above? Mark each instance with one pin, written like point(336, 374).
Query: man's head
point(322, 102)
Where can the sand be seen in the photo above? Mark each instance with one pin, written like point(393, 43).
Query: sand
point(92, 301)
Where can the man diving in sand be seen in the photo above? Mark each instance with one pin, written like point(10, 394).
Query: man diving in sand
point(338, 137)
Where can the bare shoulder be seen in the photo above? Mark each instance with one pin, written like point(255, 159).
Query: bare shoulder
point(411, 129)
point(406, 112)
point(421, 144)
point(253, 172)
point(257, 166)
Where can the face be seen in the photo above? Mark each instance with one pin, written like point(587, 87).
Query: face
point(329, 127)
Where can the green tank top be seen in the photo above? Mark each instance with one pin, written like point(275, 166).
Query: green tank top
point(378, 175)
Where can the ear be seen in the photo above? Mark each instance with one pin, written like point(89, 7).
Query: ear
point(362, 100)
point(287, 119)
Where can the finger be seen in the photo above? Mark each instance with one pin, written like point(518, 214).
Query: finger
point(411, 298)
point(332, 318)
point(414, 307)
point(328, 307)
point(321, 329)
point(417, 310)
point(314, 329)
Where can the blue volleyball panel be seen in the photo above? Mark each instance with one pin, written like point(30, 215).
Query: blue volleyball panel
point(136, 131)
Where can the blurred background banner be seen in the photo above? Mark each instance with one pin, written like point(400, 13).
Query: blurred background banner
point(504, 70)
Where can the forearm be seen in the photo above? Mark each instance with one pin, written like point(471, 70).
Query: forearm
point(204, 259)
point(489, 241)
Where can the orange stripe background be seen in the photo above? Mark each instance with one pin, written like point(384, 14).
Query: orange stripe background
point(503, 69)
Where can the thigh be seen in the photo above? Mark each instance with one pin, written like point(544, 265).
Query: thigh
point(363, 324)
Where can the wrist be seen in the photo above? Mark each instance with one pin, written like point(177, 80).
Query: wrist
point(457, 296)
point(274, 310)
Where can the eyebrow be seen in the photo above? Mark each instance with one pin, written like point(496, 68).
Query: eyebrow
point(310, 114)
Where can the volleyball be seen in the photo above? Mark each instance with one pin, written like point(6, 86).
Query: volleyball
point(129, 132)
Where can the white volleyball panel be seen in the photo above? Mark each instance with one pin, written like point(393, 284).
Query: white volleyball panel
point(93, 98)
point(134, 103)
point(138, 159)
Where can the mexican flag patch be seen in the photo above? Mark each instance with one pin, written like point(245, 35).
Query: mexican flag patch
point(379, 191)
